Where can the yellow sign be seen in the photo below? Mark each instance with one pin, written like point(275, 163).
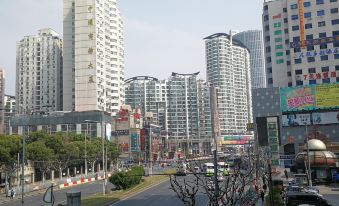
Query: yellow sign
point(327, 96)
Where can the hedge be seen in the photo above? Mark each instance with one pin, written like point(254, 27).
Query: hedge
point(125, 180)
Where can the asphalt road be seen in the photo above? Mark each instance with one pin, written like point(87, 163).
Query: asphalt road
point(60, 195)
point(158, 195)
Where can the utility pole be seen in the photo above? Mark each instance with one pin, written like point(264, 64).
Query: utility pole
point(23, 166)
point(270, 183)
point(216, 185)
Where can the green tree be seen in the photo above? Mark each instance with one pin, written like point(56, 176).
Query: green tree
point(41, 156)
point(9, 150)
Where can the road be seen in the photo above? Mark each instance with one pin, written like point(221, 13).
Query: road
point(60, 195)
point(158, 195)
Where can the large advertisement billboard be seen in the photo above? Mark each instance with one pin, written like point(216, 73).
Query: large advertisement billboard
point(325, 118)
point(325, 96)
point(236, 139)
point(296, 120)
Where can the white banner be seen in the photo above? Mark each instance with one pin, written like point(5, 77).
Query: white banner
point(296, 120)
point(325, 118)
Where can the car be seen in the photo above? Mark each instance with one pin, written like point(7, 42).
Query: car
point(293, 198)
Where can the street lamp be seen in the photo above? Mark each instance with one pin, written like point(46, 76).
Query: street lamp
point(150, 147)
point(103, 152)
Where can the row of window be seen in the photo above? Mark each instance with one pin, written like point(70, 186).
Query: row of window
point(313, 70)
point(313, 81)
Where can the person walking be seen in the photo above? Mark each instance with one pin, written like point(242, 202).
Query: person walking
point(12, 193)
point(262, 195)
point(286, 174)
point(264, 187)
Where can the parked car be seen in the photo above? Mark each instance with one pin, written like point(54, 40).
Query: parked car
point(302, 198)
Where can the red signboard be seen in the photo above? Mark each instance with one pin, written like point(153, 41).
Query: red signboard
point(323, 75)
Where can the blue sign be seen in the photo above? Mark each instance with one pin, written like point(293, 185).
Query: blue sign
point(312, 42)
point(316, 53)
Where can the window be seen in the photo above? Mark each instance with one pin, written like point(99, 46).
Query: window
point(285, 20)
point(290, 84)
point(298, 72)
point(297, 50)
point(310, 59)
point(267, 28)
point(270, 80)
point(323, 34)
point(325, 69)
point(277, 32)
point(287, 52)
point(285, 10)
point(336, 56)
point(295, 28)
point(323, 46)
point(297, 61)
point(288, 63)
point(279, 54)
point(265, 7)
point(279, 46)
point(289, 74)
point(296, 38)
point(294, 6)
point(278, 39)
point(337, 79)
point(321, 23)
point(266, 18)
point(335, 33)
point(324, 58)
point(310, 48)
point(311, 70)
point(280, 61)
point(277, 25)
point(309, 36)
point(299, 83)
point(307, 4)
point(268, 59)
point(333, 1)
point(313, 81)
point(267, 38)
point(269, 70)
point(320, 2)
point(287, 41)
point(327, 80)
point(268, 49)
point(286, 31)
point(334, 11)
point(335, 21)
point(307, 14)
point(308, 26)
point(294, 17)
point(337, 67)
point(321, 13)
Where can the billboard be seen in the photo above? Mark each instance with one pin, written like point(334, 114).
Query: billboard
point(325, 118)
point(236, 139)
point(297, 98)
point(327, 96)
point(311, 97)
point(296, 120)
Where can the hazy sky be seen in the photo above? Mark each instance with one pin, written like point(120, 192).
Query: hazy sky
point(161, 36)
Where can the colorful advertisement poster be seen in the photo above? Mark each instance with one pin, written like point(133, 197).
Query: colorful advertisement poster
point(134, 142)
point(236, 139)
point(325, 118)
point(327, 96)
point(297, 98)
point(291, 120)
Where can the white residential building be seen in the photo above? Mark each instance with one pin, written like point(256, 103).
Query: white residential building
point(253, 40)
point(93, 75)
point(2, 99)
point(301, 42)
point(228, 68)
point(38, 72)
point(9, 111)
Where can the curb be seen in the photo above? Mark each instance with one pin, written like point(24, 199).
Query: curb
point(82, 181)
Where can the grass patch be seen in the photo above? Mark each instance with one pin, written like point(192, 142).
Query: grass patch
point(114, 196)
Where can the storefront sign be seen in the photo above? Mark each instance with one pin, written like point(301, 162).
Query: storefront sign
point(297, 98)
point(312, 42)
point(296, 120)
point(325, 118)
point(120, 132)
point(327, 96)
point(323, 75)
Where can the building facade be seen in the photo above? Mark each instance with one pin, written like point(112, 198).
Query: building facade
point(9, 111)
point(93, 75)
point(228, 68)
point(2, 101)
point(253, 40)
point(38, 72)
point(301, 41)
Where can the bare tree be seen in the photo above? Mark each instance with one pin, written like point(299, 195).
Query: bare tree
point(233, 189)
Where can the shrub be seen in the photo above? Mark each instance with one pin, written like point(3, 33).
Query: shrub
point(125, 180)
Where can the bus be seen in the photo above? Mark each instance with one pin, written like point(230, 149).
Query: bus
point(223, 169)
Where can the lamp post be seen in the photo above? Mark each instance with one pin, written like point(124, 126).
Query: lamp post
point(150, 148)
point(103, 153)
point(86, 168)
point(308, 154)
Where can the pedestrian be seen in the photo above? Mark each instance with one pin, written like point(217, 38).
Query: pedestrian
point(262, 195)
point(12, 193)
point(286, 174)
point(264, 187)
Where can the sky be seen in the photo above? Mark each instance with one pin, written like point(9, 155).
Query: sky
point(161, 36)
